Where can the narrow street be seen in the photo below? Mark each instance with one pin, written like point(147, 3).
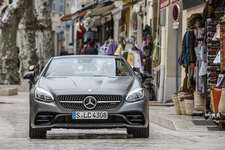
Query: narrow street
point(14, 134)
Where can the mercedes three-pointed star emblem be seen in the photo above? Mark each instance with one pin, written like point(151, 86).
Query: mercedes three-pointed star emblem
point(90, 102)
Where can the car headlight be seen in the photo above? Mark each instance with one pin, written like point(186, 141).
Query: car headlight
point(43, 95)
point(135, 95)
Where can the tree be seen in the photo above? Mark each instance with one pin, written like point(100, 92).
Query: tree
point(22, 10)
point(11, 17)
point(27, 28)
point(45, 40)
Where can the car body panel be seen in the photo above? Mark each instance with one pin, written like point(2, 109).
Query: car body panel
point(87, 85)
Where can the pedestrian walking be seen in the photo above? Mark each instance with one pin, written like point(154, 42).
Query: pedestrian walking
point(91, 50)
point(18, 60)
point(63, 52)
point(70, 49)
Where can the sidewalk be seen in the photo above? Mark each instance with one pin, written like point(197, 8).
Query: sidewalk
point(166, 117)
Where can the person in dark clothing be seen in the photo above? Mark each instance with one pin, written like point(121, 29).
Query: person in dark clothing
point(91, 50)
point(18, 61)
point(63, 52)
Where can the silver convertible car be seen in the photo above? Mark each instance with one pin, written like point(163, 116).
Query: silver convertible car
point(88, 92)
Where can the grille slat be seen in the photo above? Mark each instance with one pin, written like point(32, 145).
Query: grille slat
point(80, 106)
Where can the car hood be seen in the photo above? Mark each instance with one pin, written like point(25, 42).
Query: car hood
point(88, 85)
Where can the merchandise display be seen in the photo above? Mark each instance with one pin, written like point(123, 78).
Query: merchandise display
point(203, 57)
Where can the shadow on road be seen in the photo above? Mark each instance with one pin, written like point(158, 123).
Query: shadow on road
point(88, 136)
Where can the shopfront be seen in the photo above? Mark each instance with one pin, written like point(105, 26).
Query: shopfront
point(202, 60)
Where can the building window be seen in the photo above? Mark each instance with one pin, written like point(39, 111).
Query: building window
point(68, 1)
point(54, 6)
point(61, 7)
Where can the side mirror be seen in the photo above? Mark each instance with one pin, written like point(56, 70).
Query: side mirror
point(145, 76)
point(30, 76)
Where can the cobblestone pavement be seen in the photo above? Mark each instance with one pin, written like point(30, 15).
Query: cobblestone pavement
point(14, 134)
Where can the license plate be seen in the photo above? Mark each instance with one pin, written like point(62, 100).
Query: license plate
point(90, 115)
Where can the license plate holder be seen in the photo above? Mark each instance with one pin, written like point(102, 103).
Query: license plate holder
point(89, 115)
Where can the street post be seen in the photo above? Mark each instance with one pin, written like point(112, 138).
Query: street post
point(175, 14)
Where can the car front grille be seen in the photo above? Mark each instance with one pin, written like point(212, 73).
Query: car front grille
point(75, 102)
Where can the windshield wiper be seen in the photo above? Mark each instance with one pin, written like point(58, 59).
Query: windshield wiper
point(101, 76)
point(50, 73)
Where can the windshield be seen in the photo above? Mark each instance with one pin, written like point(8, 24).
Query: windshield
point(87, 67)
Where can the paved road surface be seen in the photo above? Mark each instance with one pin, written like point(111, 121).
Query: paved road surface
point(14, 134)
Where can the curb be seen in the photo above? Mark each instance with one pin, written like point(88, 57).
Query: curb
point(162, 122)
point(161, 104)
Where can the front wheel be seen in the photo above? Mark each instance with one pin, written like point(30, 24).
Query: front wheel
point(139, 132)
point(36, 133)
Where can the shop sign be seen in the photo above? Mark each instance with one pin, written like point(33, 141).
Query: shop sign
point(191, 3)
point(165, 3)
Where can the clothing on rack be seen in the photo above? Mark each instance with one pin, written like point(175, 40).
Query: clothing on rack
point(221, 81)
point(182, 55)
point(102, 50)
point(186, 62)
point(143, 45)
point(217, 33)
point(128, 47)
point(192, 56)
point(204, 64)
point(136, 59)
point(130, 59)
point(111, 49)
point(119, 49)
point(124, 54)
point(155, 56)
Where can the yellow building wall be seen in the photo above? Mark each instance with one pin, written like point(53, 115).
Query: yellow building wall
point(126, 1)
point(126, 25)
point(128, 11)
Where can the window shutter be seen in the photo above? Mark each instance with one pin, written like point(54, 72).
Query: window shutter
point(54, 6)
point(61, 7)
point(68, 1)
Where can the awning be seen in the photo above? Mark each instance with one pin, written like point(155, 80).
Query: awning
point(100, 9)
point(83, 12)
point(165, 3)
point(66, 17)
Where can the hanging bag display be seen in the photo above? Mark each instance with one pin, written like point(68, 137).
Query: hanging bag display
point(216, 97)
point(221, 107)
point(130, 58)
point(189, 104)
point(182, 104)
point(176, 104)
point(199, 102)
point(221, 81)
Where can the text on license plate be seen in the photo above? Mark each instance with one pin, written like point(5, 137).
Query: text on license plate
point(90, 115)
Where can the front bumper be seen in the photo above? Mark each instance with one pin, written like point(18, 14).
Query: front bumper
point(127, 115)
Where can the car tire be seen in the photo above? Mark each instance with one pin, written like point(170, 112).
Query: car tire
point(37, 134)
point(139, 132)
